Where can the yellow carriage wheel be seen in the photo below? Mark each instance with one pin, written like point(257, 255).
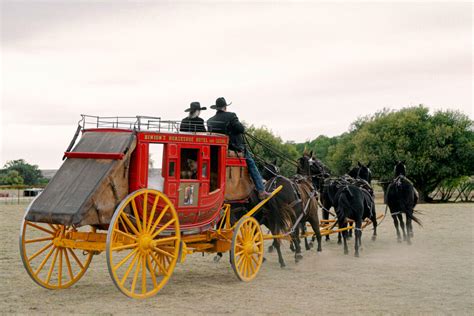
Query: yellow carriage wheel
point(246, 253)
point(47, 262)
point(143, 243)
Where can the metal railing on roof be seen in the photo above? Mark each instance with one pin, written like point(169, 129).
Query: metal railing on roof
point(140, 123)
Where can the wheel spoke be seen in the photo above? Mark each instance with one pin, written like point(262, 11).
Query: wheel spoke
point(124, 234)
point(115, 268)
point(51, 268)
point(40, 228)
point(152, 271)
point(60, 267)
point(144, 273)
point(123, 224)
point(137, 218)
point(44, 261)
point(162, 228)
point(129, 223)
point(68, 264)
point(135, 275)
point(152, 215)
point(36, 254)
point(122, 247)
point(164, 240)
point(38, 240)
point(75, 258)
point(164, 252)
point(129, 269)
point(251, 267)
point(163, 212)
point(160, 266)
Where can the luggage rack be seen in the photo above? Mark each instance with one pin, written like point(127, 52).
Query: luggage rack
point(139, 123)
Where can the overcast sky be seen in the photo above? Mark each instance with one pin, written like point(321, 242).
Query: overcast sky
point(301, 69)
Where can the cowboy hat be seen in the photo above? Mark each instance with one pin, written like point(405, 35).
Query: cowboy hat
point(220, 103)
point(195, 106)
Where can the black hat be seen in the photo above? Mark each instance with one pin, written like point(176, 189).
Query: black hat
point(195, 106)
point(220, 103)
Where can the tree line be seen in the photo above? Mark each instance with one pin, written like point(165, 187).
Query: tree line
point(437, 148)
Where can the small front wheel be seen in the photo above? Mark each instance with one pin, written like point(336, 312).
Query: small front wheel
point(246, 253)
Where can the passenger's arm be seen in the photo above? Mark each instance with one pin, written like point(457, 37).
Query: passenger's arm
point(236, 126)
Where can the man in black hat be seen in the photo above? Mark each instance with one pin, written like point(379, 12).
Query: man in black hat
point(228, 123)
point(193, 123)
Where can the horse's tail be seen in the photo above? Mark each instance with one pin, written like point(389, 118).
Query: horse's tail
point(414, 218)
point(282, 216)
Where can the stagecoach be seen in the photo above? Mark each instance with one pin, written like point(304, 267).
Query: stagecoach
point(147, 195)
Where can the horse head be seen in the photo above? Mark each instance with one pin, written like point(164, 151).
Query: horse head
point(270, 170)
point(400, 168)
point(364, 172)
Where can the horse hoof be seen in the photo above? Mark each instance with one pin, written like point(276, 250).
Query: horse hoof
point(308, 248)
point(346, 252)
point(311, 244)
point(374, 238)
point(282, 265)
point(399, 240)
point(327, 238)
point(339, 242)
point(356, 254)
point(320, 249)
point(298, 257)
point(264, 259)
point(270, 249)
point(217, 259)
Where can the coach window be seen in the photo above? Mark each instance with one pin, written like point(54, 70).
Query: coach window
point(214, 182)
point(189, 163)
point(155, 164)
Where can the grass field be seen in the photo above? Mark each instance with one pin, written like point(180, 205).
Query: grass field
point(433, 275)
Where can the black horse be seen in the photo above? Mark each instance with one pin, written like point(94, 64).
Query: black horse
point(401, 197)
point(352, 202)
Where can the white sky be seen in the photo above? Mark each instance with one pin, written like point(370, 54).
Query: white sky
point(301, 69)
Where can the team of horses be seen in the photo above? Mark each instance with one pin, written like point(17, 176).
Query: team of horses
point(351, 196)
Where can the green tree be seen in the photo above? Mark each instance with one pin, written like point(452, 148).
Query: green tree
point(11, 177)
point(435, 147)
point(30, 173)
point(286, 148)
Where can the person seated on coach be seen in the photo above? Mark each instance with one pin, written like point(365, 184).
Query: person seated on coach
point(193, 123)
point(228, 123)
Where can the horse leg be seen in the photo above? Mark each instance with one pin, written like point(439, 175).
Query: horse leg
point(374, 223)
point(410, 224)
point(402, 225)
point(344, 236)
point(307, 245)
point(349, 232)
point(314, 221)
point(276, 245)
point(358, 237)
point(296, 241)
point(339, 235)
point(408, 228)
point(326, 216)
point(395, 222)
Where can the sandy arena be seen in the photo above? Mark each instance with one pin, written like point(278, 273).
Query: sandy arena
point(433, 275)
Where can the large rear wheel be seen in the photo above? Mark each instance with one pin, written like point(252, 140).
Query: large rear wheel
point(246, 253)
point(47, 262)
point(143, 243)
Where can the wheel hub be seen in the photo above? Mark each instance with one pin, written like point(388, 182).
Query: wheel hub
point(145, 242)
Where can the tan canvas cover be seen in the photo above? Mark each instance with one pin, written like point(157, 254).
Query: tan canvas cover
point(87, 191)
point(238, 183)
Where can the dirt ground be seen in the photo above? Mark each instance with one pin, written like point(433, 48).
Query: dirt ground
point(433, 275)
